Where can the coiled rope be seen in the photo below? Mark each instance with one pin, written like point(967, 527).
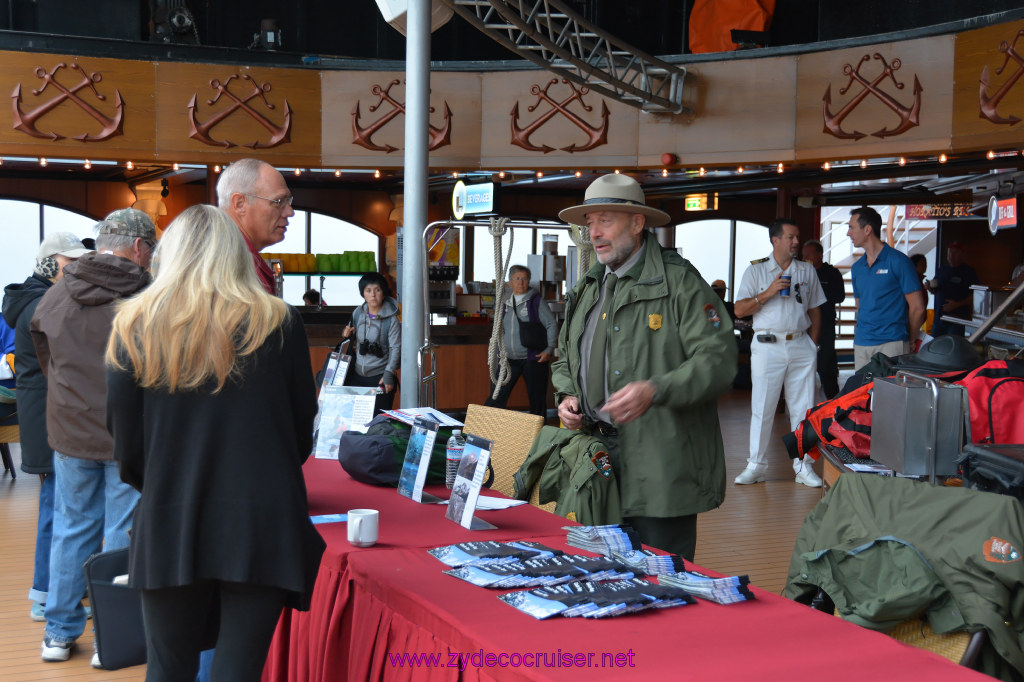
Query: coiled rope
point(497, 355)
point(580, 236)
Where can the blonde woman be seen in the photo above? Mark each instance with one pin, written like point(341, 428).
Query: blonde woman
point(211, 403)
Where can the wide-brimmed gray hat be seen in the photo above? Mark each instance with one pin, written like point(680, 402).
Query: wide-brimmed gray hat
point(614, 192)
point(128, 222)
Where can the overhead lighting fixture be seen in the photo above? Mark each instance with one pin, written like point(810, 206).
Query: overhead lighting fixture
point(42, 161)
point(501, 175)
point(175, 167)
point(863, 163)
point(664, 172)
point(216, 168)
point(991, 155)
point(578, 174)
point(376, 174)
point(337, 173)
point(87, 164)
point(540, 174)
point(298, 171)
point(616, 171)
point(740, 169)
point(903, 161)
point(779, 169)
point(455, 174)
point(826, 166)
point(942, 158)
point(130, 166)
point(701, 172)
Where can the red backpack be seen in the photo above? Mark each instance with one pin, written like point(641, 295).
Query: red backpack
point(995, 392)
point(844, 422)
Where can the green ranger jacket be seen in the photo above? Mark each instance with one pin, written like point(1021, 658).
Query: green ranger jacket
point(889, 549)
point(669, 327)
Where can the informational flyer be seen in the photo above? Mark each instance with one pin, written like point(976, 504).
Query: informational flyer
point(468, 481)
point(342, 408)
point(417, 461)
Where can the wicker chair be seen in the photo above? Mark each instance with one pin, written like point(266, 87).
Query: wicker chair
point(513, 434)
point(9, 434)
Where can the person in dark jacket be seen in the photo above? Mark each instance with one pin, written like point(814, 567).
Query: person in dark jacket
point(69, 330)
point(211, 403)
point(19, 304)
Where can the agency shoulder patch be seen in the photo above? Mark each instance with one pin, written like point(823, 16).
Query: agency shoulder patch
point(999, 551)
point(759, 260)
point(654, 321)
point(712, 314)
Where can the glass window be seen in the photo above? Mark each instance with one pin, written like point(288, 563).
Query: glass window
point(331, 235)
point(20, 234)
point(705, 243)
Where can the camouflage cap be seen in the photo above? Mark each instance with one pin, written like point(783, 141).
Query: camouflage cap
point(128, 222)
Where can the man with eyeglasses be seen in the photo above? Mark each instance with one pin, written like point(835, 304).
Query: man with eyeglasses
point(783, 295)
point(256, 197)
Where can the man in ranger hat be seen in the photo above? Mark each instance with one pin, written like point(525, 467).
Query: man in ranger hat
point(645, 349)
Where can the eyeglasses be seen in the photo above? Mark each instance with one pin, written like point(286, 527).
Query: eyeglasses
point(276, 203)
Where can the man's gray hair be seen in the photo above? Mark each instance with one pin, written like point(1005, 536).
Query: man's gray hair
point(238, 178)
point(117, 243)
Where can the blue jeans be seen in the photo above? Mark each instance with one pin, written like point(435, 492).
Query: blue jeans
point(91, 505)
point(44, 533)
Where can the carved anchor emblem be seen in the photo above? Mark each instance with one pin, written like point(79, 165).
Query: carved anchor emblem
point(26, 121)
point(909, 116)
point(363, 137)
point(596, 135)
point(989, 104)
point(201, 131)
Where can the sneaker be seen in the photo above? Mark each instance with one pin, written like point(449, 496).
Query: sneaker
point(38, 612)
point(56, 651)
point(752, 474)
point(96, 660)
point(88, 612)
point(807, 477)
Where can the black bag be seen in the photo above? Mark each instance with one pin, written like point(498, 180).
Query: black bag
point(116, 611)
point(370, 458)
point(532, 334)
point(994, 468)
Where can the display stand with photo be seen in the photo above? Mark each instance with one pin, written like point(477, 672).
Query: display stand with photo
point(417, 461)
point(468, 481)
point(342, 408)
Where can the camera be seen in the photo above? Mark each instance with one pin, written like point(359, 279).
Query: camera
point(368, 348)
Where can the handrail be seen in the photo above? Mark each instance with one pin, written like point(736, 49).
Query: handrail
point(428, 383)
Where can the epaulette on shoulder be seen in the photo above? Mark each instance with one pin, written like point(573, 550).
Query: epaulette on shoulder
point(759, 260)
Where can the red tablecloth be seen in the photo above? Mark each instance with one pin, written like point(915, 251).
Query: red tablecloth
point(393, 598)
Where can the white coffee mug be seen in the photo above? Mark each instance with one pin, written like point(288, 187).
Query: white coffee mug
point(362, 527)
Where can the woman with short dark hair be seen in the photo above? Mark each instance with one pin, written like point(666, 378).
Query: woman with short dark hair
point(375, 334)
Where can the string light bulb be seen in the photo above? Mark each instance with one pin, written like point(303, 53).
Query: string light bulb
point(130, 166)
point(540, 174)
point(616, 171)
point(42, 161)
point(455, 174)
point(942, 158)
point(779, 169)
point(863, 163)
point(175, 167)
point(701, 172)
point(87, 164)
point(216, 168)
point(903, 161)
point(298, 171)
point(826, 166)
point(664, 172)
point(376, 174)
point(337, 173)
point(740, 169)
point(991, 155)
point(578, 174)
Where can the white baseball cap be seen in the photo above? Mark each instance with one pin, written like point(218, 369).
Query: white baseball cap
point(61, 244)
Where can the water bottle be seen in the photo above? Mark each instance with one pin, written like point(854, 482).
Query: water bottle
point(454, 457)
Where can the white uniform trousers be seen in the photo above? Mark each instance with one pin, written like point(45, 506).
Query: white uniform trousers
point(792, 364)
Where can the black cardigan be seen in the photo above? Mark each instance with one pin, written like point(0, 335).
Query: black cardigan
point(223, 496)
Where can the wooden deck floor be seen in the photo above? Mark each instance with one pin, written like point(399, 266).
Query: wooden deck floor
point(752, 533)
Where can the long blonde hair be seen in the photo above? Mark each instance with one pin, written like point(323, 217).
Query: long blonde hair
point(204, 311)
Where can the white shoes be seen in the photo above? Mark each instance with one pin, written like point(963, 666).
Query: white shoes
point(806, 475)
point(752, 474)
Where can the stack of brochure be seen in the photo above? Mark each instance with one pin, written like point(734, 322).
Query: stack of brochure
point(646, 561)
point(542, 571)
point(729, 590)
point(603, 539)
point(592, 600)
point(484, 552)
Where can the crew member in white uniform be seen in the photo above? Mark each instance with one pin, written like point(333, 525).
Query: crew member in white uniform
point(784, 350)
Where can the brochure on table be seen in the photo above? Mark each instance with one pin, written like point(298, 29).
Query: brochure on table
point(408, 416)
point(468, 481)
point(417, 461)
point(342, 408)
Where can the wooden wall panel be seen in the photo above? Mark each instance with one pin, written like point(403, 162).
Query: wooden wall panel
point(75, 106)
point(929, 60)
point(983, 53)
point(379, 97)
point(551, 126)
point(744, 112)
point(244, 110)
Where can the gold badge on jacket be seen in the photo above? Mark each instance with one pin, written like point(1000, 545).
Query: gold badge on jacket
point(654, 321)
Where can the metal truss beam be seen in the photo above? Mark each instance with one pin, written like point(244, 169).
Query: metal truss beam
point(551, 35)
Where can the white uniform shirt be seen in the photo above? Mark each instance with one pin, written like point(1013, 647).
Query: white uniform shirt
point(782, 314)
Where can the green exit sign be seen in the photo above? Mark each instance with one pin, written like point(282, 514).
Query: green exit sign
point(699, 202)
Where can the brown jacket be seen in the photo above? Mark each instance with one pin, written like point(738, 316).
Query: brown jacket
point(70, 330)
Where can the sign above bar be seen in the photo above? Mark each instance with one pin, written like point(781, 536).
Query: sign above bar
point(1002, 214)
point(933, 211)
point(472, 199)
